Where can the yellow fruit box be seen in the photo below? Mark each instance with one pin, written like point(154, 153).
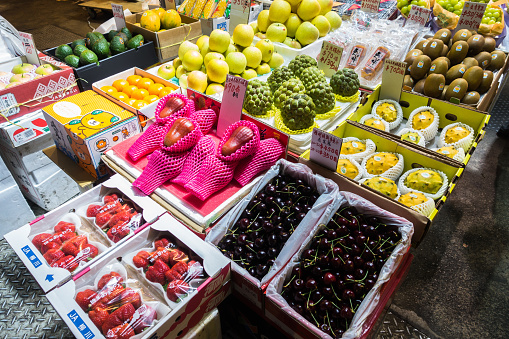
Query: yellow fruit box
point(167, 41)
point(448, 113)
point(413, 158)
point(85, 125)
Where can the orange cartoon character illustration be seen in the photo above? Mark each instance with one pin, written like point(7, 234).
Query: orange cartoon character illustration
point(101, 145)
point(92, 123)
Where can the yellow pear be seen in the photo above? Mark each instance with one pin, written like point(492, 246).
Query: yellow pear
point(236, 62)
point(185, 47)
point(192, 60)
point(214, 88)
point(210, 56)
point(292, 24)
point(253, 56)
point(263, 69)
point(325, 6)
point(308, 9)
point(243, 35)
point(322, 24)
point(267, 48)
point(263, 21)
point(334, 20)
point(197, 80)
point(276, 60)
point(201, 40)
point(249, 74)
point(219, 41)
point(217, 70)
point(307, 33)
point(279, 11)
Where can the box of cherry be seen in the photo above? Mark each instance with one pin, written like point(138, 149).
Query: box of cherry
point(267, 227)
point(334, 281)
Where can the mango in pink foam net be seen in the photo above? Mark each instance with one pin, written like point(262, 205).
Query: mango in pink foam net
point(194, 161)
point(205, 118)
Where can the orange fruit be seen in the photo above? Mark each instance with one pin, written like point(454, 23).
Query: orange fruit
point(130, 101)
point(129, 90)
point(154, 89)
point(145, 83)
point(159, 11)
point(150, 20)
point(120, 84)
point(140, 93)
point(165, 91)
point(139, 104)
point(120, 96)
point(170, 19)
point(151, 98)
point(109, 89)
point(133, 79)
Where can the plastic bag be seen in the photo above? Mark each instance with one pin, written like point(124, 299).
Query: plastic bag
point(497, 27)
point(444, 18)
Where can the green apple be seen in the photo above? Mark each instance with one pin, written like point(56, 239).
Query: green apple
point(20, 78)
point(211, 56)
point(292, 24)
point(276, 60)
point(166, 72)
point(249, 74)
point(253, 56)
point(292, 43)
point(277, 32)
point(267, 48)
point(263, 69)
point(185, 47)
point(44, 69)
point(325, 6)
point(307, 33)
point(22, 68)
point(334, 20)
point(236, 62)
point(322, 24)
point(219, 41)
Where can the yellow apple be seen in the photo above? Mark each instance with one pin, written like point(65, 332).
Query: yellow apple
point(308, 9)
point(279, 11)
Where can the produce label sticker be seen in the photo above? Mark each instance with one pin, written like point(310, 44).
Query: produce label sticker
point(30, 51)
point(26, 135)
point(325, 149)
point(471, 15)
point(239, 13)
point(8, 105)
point(80, 325)
point(231, 106)
point(419, 15)
point(330, 56)
point(392, 79)
point(370, 5)
point(118, 14)
point(31, 256)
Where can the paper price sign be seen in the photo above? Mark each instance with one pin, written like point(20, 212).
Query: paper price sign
point(392, 79)
point(471, 15)
point(118, 14)
point(325, 149)
point(239, 13)
point(233, 99)
point(30, 51)
point(419, 15)
point(330, 56)
point(370, 5)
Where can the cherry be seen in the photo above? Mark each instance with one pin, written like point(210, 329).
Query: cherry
point(238, 251)
point(311, 284)
point(270, 189)
point(327, 291)
point(272, 252)
point(298, 308)
point(317, 271)
point(299, 297)
point(360, 240)
point(348, 294)
point(316, 295)
point(337, 251)
point(348, 266)
point(359, 273)
point(355, 250)
point(261, 270)
point(336, 263)
point(329, 278)
point(341, 221)
point(346, 313)
point(259, 243)
point(369, 283)
point(242, 239)
point(308, 254)
point(260, 255)
point(323, 260)
point(353, 224)
point(325, 305)
point(298, 284)
point(369, 266)
point(358, 288)
point(296, 271)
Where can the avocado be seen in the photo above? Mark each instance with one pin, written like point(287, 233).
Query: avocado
point(434, 48)
point(434, 85)
point(497, 60)
point(420, 67)
point(469, 62)
point(135, 41)
point(62, 51)
point(419, 86)
point(458, 52)
point(455, 72)
point(471, 98)
point(111, 34)
point(487, 79)
point(127, 33)
point(473, 76)
point(72, 60)
point(445, 50)
point(484, 59)
point(88, 57)
point(442, 97)
point(409, 59)
point(101, 49)
point(79, 49)
point(439, 66)
point(475, 44)
point(99, 35)
point(461, 35)
point(91, 39)
point(77, 42)
point(443, 34)
point(117, 45)
point(123, 36)
point(408, 81)
point(422, 44)
point(489, 44)
point(456, 89)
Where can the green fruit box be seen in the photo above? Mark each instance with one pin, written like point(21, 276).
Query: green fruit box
point(172, 319)
point(413, 158)
point(48, 277)
point(448, 113)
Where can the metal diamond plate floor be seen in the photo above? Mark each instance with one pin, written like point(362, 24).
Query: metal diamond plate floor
point(394, 327)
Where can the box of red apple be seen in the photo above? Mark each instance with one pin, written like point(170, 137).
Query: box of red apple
point(157, 284)
point(334, 283)
point(261, 233)
point(67, 240)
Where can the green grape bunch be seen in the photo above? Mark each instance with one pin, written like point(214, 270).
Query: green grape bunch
point(405, 5)
point(453, 6)
point(491, 15)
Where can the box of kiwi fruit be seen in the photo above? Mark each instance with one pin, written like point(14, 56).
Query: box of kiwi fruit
point(463, 68)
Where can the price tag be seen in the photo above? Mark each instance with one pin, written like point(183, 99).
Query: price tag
point(30, 51)
point(325, 149)
point(370, 5)
point(471, 15)
point(330, 56)
point(118, 14)
point(239, 13)
point(392, 79)
point(231, 106)
point(419, 15)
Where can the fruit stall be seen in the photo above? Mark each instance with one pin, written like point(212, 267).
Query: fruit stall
point(291, 159)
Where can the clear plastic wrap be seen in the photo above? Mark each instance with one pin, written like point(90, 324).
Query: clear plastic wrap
point(420, 142)
point(392, 173)
point(382, 123)
point(464, 142)
point(435, 196)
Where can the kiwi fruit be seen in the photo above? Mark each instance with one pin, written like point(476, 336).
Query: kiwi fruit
point(489, 44)
point(458, 52)
point(471, 98)
point(442, 97)
point(461, 35)
point(455, 72)
point(434, 85)
point(410, 57)
point(487, 80)
point(420, 67)
point(484, 59)
point(445, 50)
point(456, 89)
point(469, 62)
point(445, 59)
point(408, 81)
point(434, 48)
point(475, 44)
point(439, 66)
point(419, 86)
point(421, 44)
point(497, 60)
point(473, 76)
point(443, 34)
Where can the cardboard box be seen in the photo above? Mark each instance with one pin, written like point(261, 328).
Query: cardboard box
point(412, 158)
point(167, 42)
point(86, 125)
point(50, 277)
point(184, 315)
point(35, 94)
point(25, 129)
